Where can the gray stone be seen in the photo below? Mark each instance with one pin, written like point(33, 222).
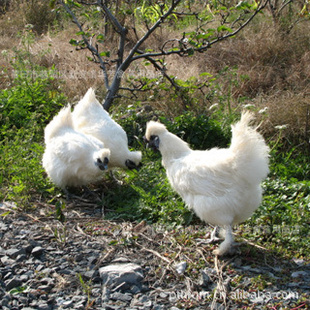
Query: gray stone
point(120, 296)
point(12, 283)
point(67, 304)
point(90, 274)
point(15, 252)
point(37, 251)
point(21, 258)
point(43, 306)
point(117, 274)
point(205, 279)
point(180, 268)
point(298, 274)
point(7, 261)
point(5, 300)
point(45, 288)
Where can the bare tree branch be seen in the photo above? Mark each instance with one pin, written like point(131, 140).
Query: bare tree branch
point(125, 64)
point(90, 47)
point(204, 47)
point(182, 48)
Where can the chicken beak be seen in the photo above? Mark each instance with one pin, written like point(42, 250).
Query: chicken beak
point(102, 165)
point(131, 165)
point(153, 143)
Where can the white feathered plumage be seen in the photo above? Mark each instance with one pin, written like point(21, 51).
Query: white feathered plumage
point(72, 158)
point(222, 186)
point(90, 118)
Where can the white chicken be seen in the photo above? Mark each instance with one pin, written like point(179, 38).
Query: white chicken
point(222, 186)
point(72, 158)
point(89, 117)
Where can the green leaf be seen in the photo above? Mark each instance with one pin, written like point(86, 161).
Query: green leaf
point(76, 4)
point(105, 54)
point(224, 28)
point(205, 74)
point(17, 290)
point(74, 42)
point(5, 213)
point(100, 37)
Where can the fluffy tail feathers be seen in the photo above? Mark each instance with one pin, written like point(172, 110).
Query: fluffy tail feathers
point(250, 149)
point(63, 120)
point(89, 97)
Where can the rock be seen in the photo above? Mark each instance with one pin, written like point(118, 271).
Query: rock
point(5, 300)
point(43, 306)
point(12, 283)
point(92, 259)
point(21, 257)
point(298, 262)
point(37, 251)
point(205, 279)
point(6, 261)
point(39, 272)
point(67, 304)
point(90, 274)
point(15, 252)
point(45, 288)
point(180, 268)
point(117, 274)
point(298, 274)
point(3, 227)
point(120, 296)
point(79, 257)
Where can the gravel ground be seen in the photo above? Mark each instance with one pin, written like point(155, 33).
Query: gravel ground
point(88, 262)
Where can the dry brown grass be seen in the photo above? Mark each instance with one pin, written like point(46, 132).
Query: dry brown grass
point(289, 113)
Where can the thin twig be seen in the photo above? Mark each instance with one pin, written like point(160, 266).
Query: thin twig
point(155, 253)
point(90, 47)
point(204, 47)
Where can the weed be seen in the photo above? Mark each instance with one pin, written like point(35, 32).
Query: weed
point(60, 234)
point(25, 110)
point(86, 287)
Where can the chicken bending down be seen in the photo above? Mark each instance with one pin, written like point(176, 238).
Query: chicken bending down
point(222, 186)
point(89, 117)
point(72, 158)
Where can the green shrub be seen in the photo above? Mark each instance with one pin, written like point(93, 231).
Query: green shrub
point(39, 14)
point(28, 106)
point(200, 131)
point(25, 109)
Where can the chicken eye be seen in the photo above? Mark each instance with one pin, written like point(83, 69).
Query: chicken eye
point(154, 142)
point(153, 137)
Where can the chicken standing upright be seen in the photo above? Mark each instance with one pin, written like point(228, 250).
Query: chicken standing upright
point(222, 186)
point(72, 158)
point(90, 118)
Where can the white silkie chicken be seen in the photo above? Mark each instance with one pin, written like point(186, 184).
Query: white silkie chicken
point(72, 158)
point(90, 118)
point(222, 186)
